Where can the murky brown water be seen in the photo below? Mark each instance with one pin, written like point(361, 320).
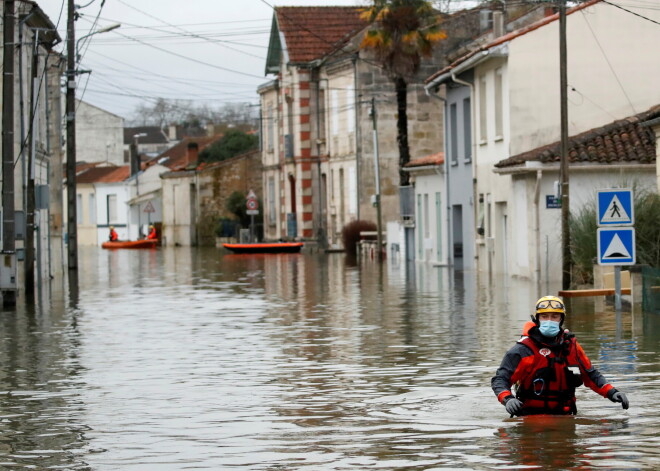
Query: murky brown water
point(190, 359)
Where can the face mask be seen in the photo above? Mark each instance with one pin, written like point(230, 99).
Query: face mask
point(549, 328)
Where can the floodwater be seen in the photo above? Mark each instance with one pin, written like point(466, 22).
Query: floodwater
point(178, 358)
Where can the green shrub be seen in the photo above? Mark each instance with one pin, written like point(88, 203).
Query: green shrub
point(350, 234)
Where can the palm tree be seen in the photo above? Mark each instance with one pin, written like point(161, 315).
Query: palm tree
point(401, 33)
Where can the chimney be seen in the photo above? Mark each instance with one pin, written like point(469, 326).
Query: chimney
point(498, 24)
point(191, 153)
point(171, 132)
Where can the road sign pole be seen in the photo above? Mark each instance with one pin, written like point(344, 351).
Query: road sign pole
point(252, 228)
point(617, 288)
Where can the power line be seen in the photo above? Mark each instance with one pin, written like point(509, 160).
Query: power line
point(608, 62)
point(632, 12)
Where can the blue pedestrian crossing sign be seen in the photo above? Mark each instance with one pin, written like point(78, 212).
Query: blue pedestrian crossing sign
point(616, 246)
point(615, 207)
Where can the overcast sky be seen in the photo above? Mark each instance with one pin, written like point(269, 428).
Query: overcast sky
point(210, 51)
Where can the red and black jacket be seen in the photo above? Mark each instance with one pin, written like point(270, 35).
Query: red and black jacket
point(539, 367)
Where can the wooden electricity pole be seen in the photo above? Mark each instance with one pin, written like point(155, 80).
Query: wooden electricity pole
point(72, 216)
point(8, 223)
point(563, 169)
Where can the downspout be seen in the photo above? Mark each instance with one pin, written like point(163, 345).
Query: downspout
point(358, 135)
point(474, 153)
point(537, 229)
point(322, 236)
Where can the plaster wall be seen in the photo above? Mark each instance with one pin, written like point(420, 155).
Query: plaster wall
point(99, 135)
point(609, 76)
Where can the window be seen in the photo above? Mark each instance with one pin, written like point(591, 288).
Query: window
point(342, 197)
point(270, 125)
point(271, 200)
point(112, 208)
point(453, 134)
point(350, 109)
point(92, 208)
point(483, 128)
point(334, 111)
point(499, 110)
point(79, 208)
point(467, 129)
point(352, 191)
point(322, 111)
point(426, 216)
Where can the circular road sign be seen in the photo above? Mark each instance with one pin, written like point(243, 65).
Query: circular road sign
point(252, 204)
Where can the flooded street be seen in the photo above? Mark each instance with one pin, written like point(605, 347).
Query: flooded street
point(182, 358)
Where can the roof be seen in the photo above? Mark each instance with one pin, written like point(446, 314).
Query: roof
point(177, 156)
point(310, 33)
point(428, 160)
point(104, 175)
point(624, 141)
point(443, 74)
point(154, 135)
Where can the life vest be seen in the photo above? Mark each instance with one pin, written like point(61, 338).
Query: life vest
point(549, 386)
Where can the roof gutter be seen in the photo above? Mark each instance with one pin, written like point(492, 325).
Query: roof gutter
point(501, 50)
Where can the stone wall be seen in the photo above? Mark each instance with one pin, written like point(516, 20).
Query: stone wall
point(217, 182)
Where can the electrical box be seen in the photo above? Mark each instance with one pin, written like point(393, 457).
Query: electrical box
point(7, 271)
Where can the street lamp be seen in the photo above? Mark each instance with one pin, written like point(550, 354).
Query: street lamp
point(98, 31)
point(71, 72)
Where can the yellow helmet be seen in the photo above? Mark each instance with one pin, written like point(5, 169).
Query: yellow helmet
point(549, 304)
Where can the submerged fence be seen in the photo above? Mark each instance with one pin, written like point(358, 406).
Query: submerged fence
point(651, 289)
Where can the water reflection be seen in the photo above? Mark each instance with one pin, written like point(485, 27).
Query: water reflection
point(185, 358)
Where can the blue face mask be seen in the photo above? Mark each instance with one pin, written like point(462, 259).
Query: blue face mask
point(549, 328)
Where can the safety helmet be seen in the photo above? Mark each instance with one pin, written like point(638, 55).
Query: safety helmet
point(549, 304)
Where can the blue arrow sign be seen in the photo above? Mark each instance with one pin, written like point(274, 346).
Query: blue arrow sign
point(616, 246)
point(615, 207)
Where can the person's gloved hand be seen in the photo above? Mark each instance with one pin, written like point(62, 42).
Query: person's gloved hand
point(615, 396)
point(513, 406)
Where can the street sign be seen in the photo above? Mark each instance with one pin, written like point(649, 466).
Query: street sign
point(615, 207)
point(251, 195)
point(252, 204)
point(551, 201)
point(252, 212)
point(149, 208)
point(616, 246)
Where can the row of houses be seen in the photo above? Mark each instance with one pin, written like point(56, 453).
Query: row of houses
point(484, 130)
point(172, 190)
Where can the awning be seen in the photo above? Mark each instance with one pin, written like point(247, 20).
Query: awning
point(144, 197)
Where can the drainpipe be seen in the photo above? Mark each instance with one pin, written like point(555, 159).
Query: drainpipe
point(474, 152)
point(358, 134)
point(537, 229)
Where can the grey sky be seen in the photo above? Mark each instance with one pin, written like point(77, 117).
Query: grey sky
point(209, 51)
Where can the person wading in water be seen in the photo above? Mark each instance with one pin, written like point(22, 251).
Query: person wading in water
point(538, 364)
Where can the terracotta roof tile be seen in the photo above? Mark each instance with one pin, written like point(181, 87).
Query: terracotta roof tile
point(312, 32)
point(154, 135)
point(433, 159)
point(104, 175)
point(622, 141)
point(177, 156)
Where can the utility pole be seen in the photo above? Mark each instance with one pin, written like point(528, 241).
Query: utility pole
point(72, 213)
point(563, 169)
point(379, 237)
point(8, 223)
point(30, 189)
